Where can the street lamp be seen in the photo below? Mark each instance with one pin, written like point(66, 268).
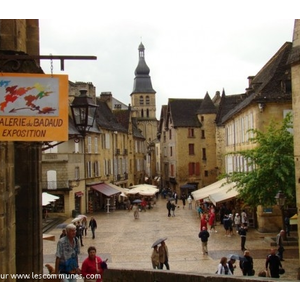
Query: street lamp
point(83, 112)
point(280, 200)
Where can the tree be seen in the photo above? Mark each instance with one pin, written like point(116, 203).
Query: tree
point(271, 166)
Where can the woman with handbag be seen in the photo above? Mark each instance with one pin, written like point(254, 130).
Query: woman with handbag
point(93, 266)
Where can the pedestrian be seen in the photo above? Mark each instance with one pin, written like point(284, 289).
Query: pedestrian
point(67, 251)
point(155, 257)
point(93, 226)
point(203, 221)
point(79, 232)
point(246, 264)
point(287, 225)
point(173, 206)
point(63, 233)
point(223, 268)
point(244, 218)
point(136, 213)
point(230, 223)
point(226, 224)
point(175, 196)
point(93, 266)
point(243, 233)
point(279, 242)
point(190, 202)
point(183, 198)
point(212, 220)
point(273, 263)
point(169, 206)
point(237, 222)
point(163, 256)
point(204, 235)
point(199, 210)
point(231, 264)
point(84, 226)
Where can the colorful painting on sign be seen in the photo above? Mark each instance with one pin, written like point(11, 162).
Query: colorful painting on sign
point(30, 98)
point(33, 107)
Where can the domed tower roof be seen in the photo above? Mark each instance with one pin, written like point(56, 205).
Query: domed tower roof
point(142, 80)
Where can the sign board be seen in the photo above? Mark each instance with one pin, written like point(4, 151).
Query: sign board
point(33, 107)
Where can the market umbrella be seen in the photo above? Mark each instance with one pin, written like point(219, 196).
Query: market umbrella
point(159, 241)
point(82, 216)
point(62, 225)
point(236, 257)
point(77, 219)
point(137, 201)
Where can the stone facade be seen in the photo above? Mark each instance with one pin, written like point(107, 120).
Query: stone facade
point(295, 65)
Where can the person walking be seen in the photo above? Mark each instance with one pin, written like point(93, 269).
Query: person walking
point(190, 202)
point(84, 226)
point(243, 233)
point(93, 226)
point(173, 206)
point(169, 206)
point(212, 220)
point(279, 243)
point(155, 257)
point(93, 266)
point(79, 232)
point(237, 222)
point(244, 218)
point(67, 251)
point(273, 263)
point(204, 235)
point(246, 264)
point(223, 268)
point(163, 256)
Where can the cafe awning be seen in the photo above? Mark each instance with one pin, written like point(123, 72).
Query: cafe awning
point(207, 190)
point(105, 189)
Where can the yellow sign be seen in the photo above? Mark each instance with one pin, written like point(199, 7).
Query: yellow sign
point(33, 107)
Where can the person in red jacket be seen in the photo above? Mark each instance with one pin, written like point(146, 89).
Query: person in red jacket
point(93, 266)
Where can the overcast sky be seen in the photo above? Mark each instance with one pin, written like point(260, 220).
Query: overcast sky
point(190, 48)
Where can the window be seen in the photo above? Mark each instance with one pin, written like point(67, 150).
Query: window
point(203, 154)
point(89, 169)
point(147, 100)
point(77, 173)
point(172, 170)
point(205, 173)
point(141, 100)
point(202, 134)
point(96, 145)
point(171, 151)
point(170, 134)
point(191, 132)
point(89, 140)
point(96, 169)
point(191, 149)
point(194, 168)
point(51, 180)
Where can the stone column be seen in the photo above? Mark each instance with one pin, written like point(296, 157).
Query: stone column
point(29, 239)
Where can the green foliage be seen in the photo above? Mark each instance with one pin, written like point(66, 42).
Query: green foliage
point(271, 166)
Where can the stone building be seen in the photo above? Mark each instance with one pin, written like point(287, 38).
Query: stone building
point(187, 139)
point(21, 249)
point(294, 61)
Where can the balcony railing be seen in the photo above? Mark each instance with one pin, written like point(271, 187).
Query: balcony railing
point(56, 185)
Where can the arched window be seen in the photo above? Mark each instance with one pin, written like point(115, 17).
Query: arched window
point(147, 100)
point(141, 100)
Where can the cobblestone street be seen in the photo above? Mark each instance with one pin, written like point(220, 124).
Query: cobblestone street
point(126, 242)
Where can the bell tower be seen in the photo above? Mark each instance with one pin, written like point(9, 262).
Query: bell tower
point(143, 98)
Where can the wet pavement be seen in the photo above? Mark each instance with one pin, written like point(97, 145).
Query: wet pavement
point(126, 242)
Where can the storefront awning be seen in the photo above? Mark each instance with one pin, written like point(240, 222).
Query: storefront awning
point(217, 192)
point(105, 189)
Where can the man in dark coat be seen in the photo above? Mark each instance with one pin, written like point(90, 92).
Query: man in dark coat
point(169, 206)
point(274, 263)
point(204, 235)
